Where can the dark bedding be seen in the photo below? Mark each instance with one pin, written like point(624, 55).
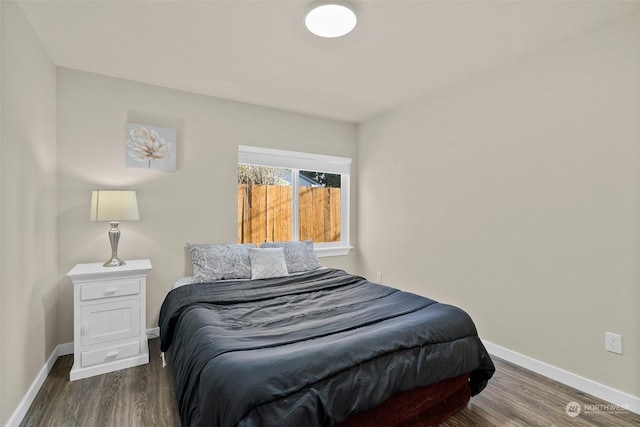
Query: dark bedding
point(309, 350)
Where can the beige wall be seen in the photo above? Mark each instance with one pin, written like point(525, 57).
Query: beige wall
point(197, 203)
point(28, 242)
point(2, 411)
point(519, 196)
point(516, 195)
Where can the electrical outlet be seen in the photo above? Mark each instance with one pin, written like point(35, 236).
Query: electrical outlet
point(613, 342)
point(379, 277)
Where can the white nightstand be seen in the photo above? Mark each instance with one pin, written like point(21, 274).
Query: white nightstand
point(109, 316)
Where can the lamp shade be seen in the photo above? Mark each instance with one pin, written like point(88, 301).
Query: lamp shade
point(114, 205)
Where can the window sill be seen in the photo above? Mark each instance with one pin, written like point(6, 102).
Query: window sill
point(333, 251)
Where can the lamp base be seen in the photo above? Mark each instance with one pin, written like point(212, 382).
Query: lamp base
point(114, 262)
point(114, 237)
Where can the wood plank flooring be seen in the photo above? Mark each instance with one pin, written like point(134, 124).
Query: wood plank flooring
point(139, 396)
point(144, 396)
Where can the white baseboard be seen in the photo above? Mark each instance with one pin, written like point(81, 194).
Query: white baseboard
point(153, 332)
point(28, 399)
point(60, 350)
point(65, 349)
point(601, 391)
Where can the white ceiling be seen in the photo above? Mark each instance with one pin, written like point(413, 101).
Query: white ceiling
point(259, 51)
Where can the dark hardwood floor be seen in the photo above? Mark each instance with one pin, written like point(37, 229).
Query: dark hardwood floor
point(139, 396)
point(518, 397)
point(144, 396)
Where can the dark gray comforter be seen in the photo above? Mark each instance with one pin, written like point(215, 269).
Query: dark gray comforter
point(309, 350)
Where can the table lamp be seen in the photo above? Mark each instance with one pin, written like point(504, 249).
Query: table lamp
point(114, 206)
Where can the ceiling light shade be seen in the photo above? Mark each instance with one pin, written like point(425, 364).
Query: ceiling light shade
point(331, 18)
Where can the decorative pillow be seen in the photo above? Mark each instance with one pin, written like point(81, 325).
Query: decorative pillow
point(218, 262)
point(266, 263)
point(300, 256)
point(206, 266)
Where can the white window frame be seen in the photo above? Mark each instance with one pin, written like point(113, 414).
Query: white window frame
point(297, 161)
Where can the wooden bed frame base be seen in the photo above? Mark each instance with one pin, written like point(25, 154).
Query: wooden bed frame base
point(423, 407)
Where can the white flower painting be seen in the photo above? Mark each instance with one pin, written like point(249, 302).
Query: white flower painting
point(150, 147)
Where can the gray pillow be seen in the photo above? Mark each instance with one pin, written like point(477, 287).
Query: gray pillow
point(300, 256)
point(219, 262)
point(267, 262)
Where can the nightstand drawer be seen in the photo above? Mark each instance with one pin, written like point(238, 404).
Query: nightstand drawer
point(113, 288)
point(110, 354)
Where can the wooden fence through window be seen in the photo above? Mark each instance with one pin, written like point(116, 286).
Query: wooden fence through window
point(264, 213)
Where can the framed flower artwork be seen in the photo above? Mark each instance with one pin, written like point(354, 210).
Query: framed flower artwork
point(150, 147)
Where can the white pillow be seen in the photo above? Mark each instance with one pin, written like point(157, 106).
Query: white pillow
point(300, 256)
point(266, 263)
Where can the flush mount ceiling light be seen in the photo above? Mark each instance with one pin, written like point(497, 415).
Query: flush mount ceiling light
point(331, 18)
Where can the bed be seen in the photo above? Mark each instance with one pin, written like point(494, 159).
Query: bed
point(296, 344)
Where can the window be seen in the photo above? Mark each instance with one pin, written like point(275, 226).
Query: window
point(290, 196)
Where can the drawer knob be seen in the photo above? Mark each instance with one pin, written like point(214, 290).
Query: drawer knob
point(85, 327)
point(110, 291)
point(112, 354)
